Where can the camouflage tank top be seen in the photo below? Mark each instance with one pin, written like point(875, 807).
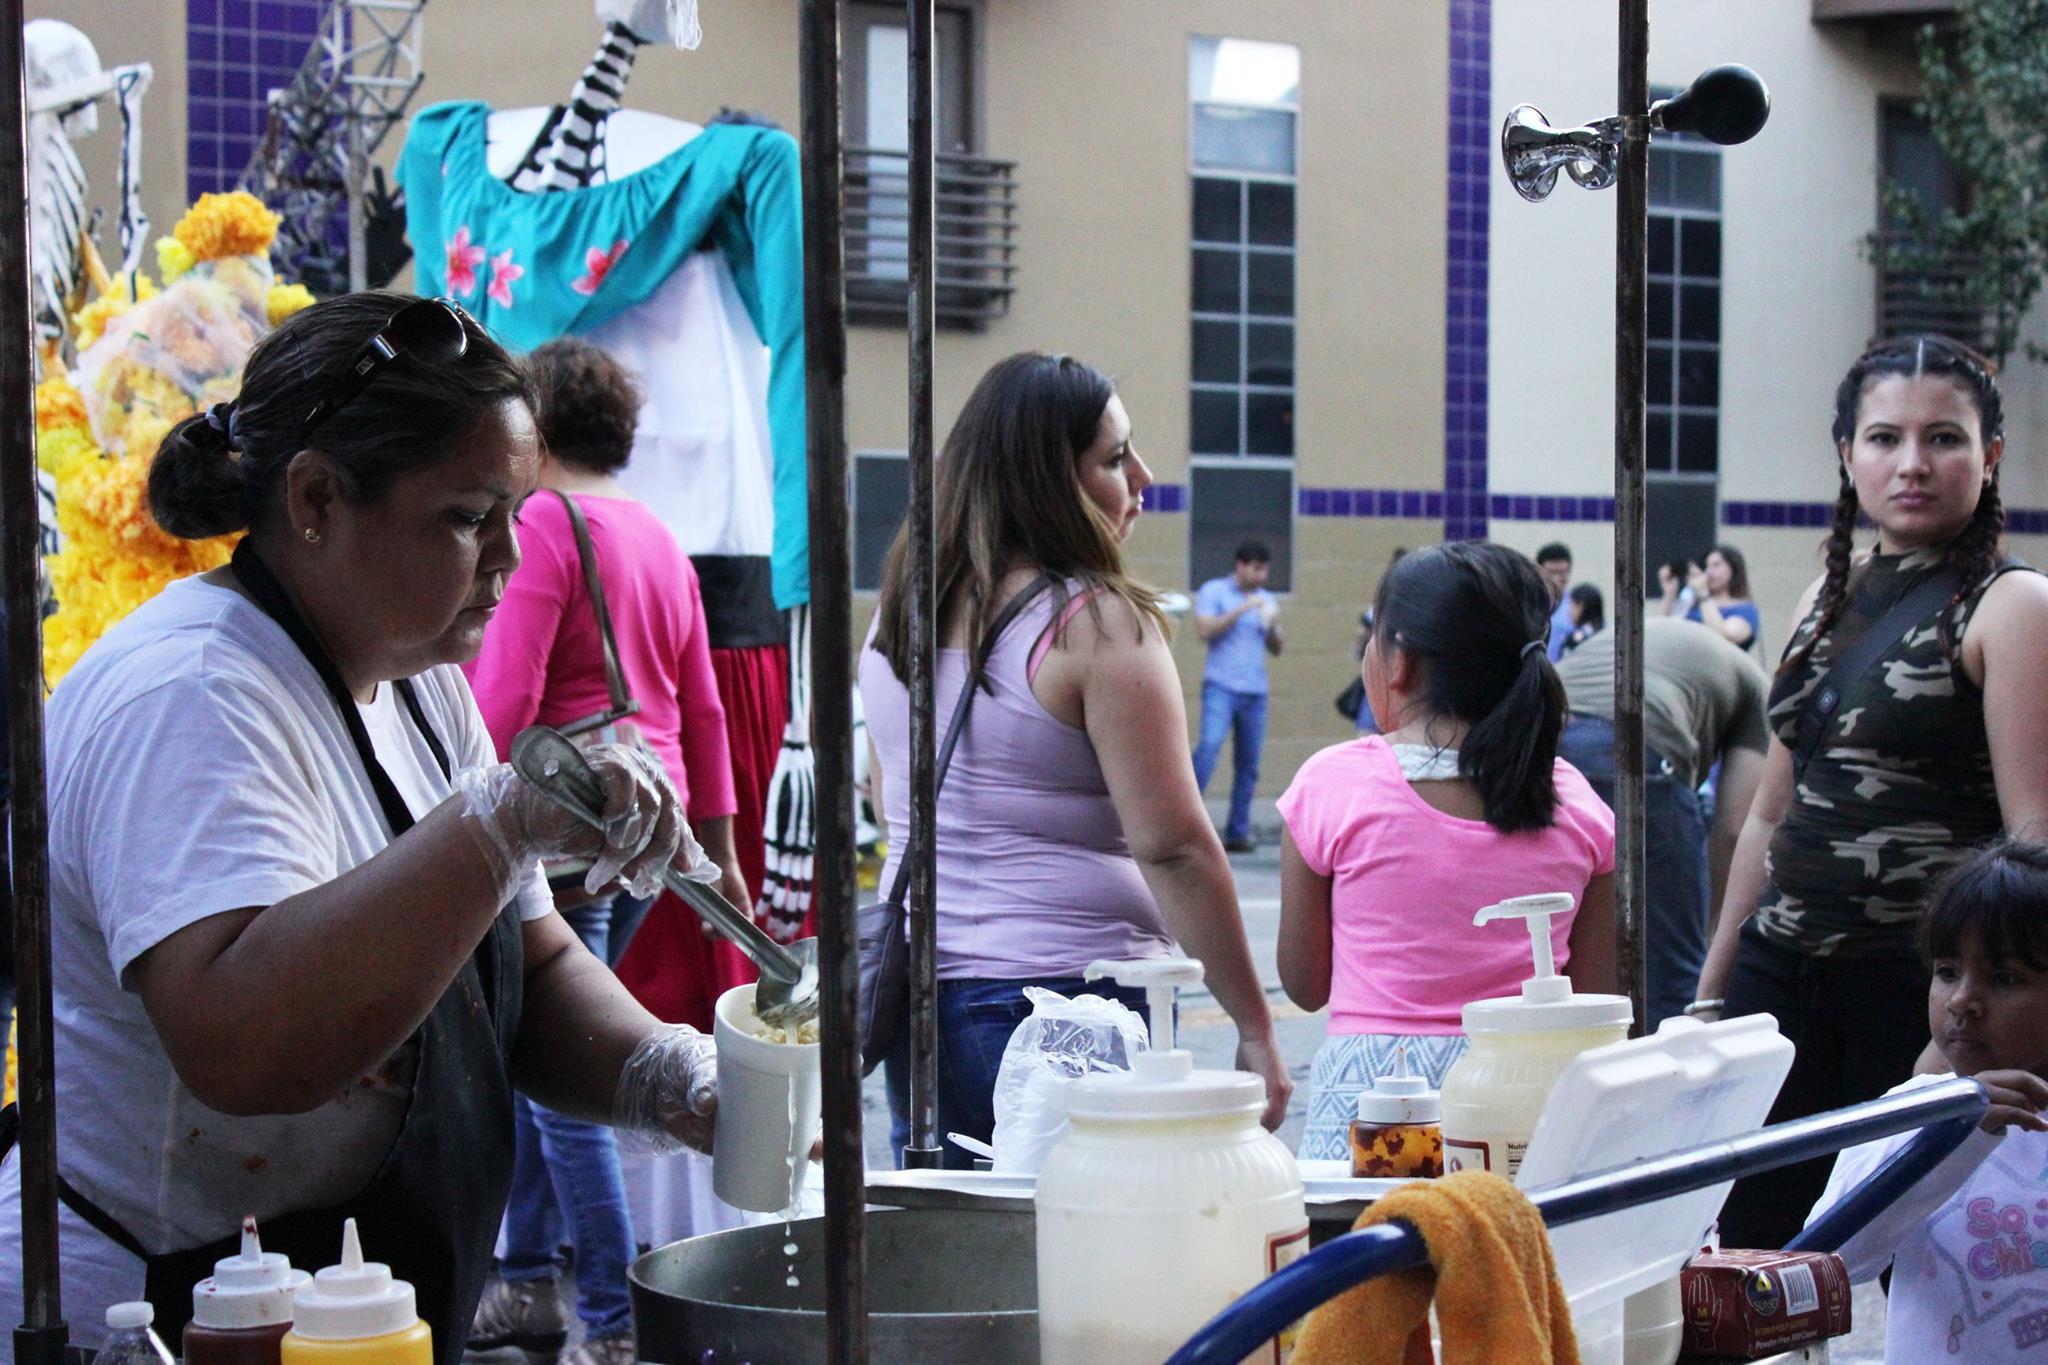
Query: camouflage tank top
point(1900, 789)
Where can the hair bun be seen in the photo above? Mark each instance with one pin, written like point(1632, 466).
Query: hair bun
point(196, 489)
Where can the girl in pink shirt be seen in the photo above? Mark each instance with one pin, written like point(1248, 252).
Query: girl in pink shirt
point(1392, 842)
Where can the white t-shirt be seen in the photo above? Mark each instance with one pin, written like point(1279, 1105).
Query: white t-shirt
point(1968, 1247)
point(196, 766)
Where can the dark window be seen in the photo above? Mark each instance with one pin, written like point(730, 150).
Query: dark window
point(1244, 106)
point(1230, 504)
point(1683, 376)
point(881, 492)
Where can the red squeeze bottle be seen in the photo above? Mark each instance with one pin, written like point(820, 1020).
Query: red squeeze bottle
point(240, 1316)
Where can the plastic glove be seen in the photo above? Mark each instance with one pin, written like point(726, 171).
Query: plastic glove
point(668, 1093)
point(515, 823)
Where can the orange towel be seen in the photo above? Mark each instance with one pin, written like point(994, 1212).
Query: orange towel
point(1495, 1283)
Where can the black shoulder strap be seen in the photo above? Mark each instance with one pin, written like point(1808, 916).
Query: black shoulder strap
point(270, 595)
point(1930, 594)
point(1025, 596)
point(614, 675)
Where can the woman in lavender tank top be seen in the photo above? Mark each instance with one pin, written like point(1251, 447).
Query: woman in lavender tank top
point(1069, 828)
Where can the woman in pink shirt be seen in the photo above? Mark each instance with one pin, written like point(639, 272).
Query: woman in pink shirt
point(1392, 842)
point(543, 662)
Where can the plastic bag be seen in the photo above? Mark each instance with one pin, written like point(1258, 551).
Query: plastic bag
point(1061, 1041)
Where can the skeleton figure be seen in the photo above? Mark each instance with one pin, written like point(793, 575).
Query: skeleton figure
point(569, 153)
point(65, 81)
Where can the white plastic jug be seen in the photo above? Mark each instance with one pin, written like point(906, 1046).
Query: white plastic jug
point(1493, 1095)
point(1164, 1203)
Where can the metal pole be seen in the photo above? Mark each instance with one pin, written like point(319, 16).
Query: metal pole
point(846, 1310)
point(923, 851)
point(40, 1339)
point(1631, 319)
point(356, 170)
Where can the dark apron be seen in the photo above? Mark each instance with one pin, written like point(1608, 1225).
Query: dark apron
point(432, 1209)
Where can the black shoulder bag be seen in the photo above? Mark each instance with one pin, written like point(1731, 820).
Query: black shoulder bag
point(884, 950)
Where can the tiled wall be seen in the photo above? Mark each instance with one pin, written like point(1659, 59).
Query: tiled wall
point(236, 52)
point(1465, 504)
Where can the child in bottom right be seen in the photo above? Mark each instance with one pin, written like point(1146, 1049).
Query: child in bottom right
point(1968, 1245)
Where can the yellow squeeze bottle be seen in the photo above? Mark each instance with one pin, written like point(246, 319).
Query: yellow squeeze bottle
point(355, 1313)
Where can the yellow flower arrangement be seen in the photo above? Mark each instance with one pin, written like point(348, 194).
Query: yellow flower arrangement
point(233, 224)
point(90, 322)
point(173, 258)
point(287, 299)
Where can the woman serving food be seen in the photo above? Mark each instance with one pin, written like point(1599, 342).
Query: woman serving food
point(302, 949)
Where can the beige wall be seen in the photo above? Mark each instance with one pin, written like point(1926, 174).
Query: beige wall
point(1798, 298)
point(124, 32)
point(1090, 100)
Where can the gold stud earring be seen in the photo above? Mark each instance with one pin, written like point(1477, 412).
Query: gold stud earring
point(312, 536)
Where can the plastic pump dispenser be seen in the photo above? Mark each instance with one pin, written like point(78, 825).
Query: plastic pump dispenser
point(1161, 979)
point(1547, 1000)
point(1164, 1202)
point(357, 1312)
point(1520, 1045)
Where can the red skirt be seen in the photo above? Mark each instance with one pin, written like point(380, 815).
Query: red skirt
point(673, 967)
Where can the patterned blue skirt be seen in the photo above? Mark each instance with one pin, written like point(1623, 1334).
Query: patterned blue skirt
point(1346, 1064)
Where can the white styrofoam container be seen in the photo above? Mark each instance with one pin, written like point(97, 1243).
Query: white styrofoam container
point(1686, 1084)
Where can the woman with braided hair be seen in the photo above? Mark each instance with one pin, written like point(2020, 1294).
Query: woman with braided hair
point(1908, 730)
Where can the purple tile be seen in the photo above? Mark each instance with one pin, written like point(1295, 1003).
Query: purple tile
point(1411, 503)
point(1340, 502)
point(1432, 504)
point(1546, 507)
point(1389, 500)
point(1315, 502)
point(1525, 507)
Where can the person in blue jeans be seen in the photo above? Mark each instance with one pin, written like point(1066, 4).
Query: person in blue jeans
point(1703, 703)
point(563, 1163)
point(1241, 623)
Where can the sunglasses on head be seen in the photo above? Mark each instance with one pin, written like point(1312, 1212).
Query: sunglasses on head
point(432, 331)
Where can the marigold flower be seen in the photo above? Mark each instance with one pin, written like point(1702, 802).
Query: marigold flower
point(173, 258)
point(287, 299)
point(232, 224)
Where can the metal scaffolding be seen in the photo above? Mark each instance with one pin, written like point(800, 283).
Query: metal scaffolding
point(312, 165)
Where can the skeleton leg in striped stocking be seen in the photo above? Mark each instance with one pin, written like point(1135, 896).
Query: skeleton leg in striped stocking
point(791, 827)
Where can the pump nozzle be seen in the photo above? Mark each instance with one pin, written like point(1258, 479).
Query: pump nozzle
point(1535, 911)
point(1159, 977)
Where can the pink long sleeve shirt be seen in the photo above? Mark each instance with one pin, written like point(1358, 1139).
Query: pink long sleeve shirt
point(543, 658)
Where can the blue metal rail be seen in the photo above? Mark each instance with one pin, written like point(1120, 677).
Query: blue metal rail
point(1944, 1112)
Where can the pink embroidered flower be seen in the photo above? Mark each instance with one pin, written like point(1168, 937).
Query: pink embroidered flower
point(598, 263)
point(463, 259)
point(504, 275)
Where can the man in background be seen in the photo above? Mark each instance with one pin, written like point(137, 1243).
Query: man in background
point(1554, 562)
point(1703, 702)
point(1240, 621)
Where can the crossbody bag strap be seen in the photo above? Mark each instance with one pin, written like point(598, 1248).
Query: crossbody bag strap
point(1929, 594)
point(1025, 596)
point(614, 675)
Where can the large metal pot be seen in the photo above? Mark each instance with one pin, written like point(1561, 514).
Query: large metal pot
point(943, 1285)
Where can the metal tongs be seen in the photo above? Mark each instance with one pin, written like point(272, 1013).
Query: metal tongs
point(787, 994)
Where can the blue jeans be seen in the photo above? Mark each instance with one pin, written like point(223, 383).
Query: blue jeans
point(976, 1019)
point(1675, 909)
point(564, 1165)
point(1241, 715)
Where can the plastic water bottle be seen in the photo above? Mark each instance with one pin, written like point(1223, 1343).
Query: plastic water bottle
point(129, 1338)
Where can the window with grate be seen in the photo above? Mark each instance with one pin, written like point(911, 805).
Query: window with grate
point(1244, 106)
point(1684, 377)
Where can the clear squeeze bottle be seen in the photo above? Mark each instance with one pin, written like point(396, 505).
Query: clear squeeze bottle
point(240, 1315)
point(1494, 1094)
point(355, 1313)
point(1164, 1202)
point(1398, 1133)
